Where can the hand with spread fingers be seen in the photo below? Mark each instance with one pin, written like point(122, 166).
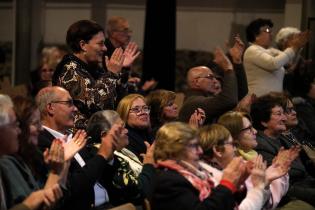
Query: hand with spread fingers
point(258, 173)
point(131, 53)
point(115, 139)
point(237, 50)
point(234, 171)
point(55, 157)
point(221, 59)
point(75, 144)
point(115, 63)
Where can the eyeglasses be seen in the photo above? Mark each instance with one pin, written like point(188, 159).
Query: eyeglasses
point(229, 143)
point(250, 128)
point(267, 30)
point(279, 113)
point(209, 76)
point(194, 145)
point(289, 110)
point(125, 30)
point(69, 102)
point(138, 109)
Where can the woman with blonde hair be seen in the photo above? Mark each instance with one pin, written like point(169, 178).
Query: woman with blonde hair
point(136, 114)
point(181, 182)
point(219, 151)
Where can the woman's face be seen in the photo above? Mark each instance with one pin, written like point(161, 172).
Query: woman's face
point(193, 152)
point(123, 140)
point(290, 113)
point(35, 127)
point(247, 137)
point(276, 123)
point(229, 152)
point(94, 49)
point(46, 73)
point(139, 114)
point(170, 111)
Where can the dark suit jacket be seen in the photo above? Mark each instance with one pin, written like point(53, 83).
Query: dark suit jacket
point(81, 180)
point(173, 191)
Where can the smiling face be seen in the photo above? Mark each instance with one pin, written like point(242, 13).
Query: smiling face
point(139, 114)
point(94, 49)
point(276, 124)
point(247, 137)
point(264, 38)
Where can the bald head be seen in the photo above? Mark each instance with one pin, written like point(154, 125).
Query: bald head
point(195, 72)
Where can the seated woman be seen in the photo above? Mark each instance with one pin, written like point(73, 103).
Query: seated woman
point(164, 109)
point(242, 131)
point(182, 183)
point(219, 150)
point(26, 171)
point(136, 114)
point(131, 179)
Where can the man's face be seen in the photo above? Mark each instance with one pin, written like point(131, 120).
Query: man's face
point(122, 34)
point(63, 110)
point(207, 82)
point(9, 132)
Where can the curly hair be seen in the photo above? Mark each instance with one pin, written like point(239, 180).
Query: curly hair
point(253, 29)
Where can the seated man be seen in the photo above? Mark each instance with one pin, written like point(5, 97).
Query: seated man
point(206, 92)
point(91, 169)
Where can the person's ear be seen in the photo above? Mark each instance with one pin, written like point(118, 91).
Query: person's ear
point(82, 44)
point(50, 109)
point(217, 151)
point(264, 124)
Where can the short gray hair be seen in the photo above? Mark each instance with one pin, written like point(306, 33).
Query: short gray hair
point(44, 97)
point(283, 35)
point(99, 122)
point(5, 104)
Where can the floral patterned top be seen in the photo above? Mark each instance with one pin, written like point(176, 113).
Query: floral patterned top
point(91, 88)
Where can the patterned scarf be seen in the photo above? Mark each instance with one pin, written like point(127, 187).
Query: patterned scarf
point(199, 178)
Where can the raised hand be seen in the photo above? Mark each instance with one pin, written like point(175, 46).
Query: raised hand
point(149, 85)
point(131, 53)
point(258, 173)
point(234, 171)
point(115, 139)
point(75, 144)
point(54, 157)
point(148, 156)
point(237, 50)
point(115, 63)
point(221, 59)
point(197, 118)
point(299, 40)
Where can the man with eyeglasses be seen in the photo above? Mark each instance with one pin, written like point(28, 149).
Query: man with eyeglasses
point(263, 63)
point(206, 91)
point(87, 171)
point(119, 35)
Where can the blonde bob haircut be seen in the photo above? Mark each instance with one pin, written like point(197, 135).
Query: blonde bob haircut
point(125, 105)
point(211, 136)
point(172, 139)
point(233, 121)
